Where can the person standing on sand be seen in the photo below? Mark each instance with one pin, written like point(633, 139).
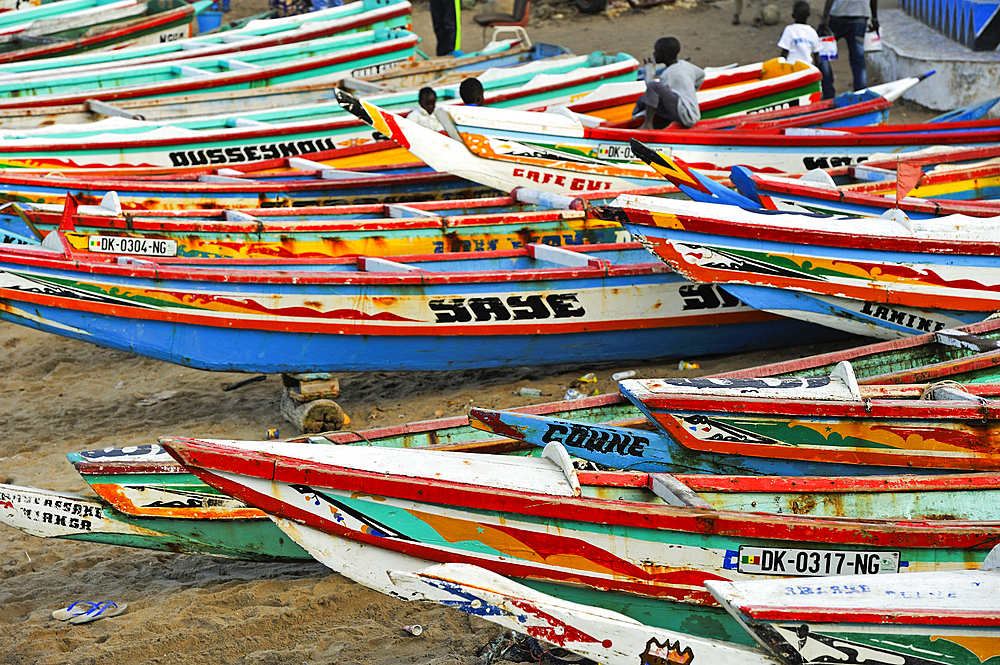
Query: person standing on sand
point(672, 98)
point(799, 42)
point(423, 114)
point(756, 11)
point(445, 15)
point(848, 20)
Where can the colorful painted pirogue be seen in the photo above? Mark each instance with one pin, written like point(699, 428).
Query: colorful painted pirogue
point(247, 136)
point(425, 227)
point(966, 182)
point(532, 519)
point(150, 22)
point(819, 194)
point(927, 619)
point(820, 421)
point(788, 195)
point(404, 75)
point(500, 164)
point(147, 500)
point(73, 517)
point(314, 184)
point(535, 305)
point(849, 109)
point(788, 151)
point(714, 442)
point(881, 276)
point(340, 55)
point(737, 91)
point(363, 15)
point(73, 26)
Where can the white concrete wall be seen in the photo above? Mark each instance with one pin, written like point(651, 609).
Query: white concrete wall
point(911, 48)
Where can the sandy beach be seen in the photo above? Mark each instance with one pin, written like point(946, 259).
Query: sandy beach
point(60, 396)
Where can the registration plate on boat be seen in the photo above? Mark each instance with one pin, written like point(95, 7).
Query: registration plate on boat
point(815, 563)
point(126, 245)
point(617, 151)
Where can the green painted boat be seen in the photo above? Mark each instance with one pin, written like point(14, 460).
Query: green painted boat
point(440, 72)
point(101, 27)
point(240, 137)
point(338, 56)
point(348, 18)
point(115, 473)
point(537, 520)
point(72, 517)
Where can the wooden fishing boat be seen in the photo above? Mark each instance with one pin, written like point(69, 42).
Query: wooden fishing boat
point(535, 305)
point(122, 476)
point(953, 182)
point(82, 24)
point(535, 520)
point(426, 227)
point(711, 449)
point(849, 109)
point(818, 193)
point(58, 515)
point(826, 113)
point(603, 636)
point(145, 483)
point(938, 272)
point(946, 617)
point(336, 57)
point(731, 91)
point(503, 165)
point(364, 15)
point(796, 195)
point(826, 421)
point(227, 139)
point(789, 150)
point(152, 22)
point(315, 185)
point(404, 75)
point(149, 501)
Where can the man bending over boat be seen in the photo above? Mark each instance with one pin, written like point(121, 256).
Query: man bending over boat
point(673, 96)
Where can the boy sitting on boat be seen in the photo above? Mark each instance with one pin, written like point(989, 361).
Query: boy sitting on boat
point(424, 113)
point(673, 97)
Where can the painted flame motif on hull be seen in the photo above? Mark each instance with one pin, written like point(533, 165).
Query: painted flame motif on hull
point(666, 653)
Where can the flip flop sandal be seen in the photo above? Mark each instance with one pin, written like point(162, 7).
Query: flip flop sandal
point(75, 609)
point(100, 611)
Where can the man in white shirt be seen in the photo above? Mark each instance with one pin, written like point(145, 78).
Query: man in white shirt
point(424, 114)
point(672, 98)
point(799, 42)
